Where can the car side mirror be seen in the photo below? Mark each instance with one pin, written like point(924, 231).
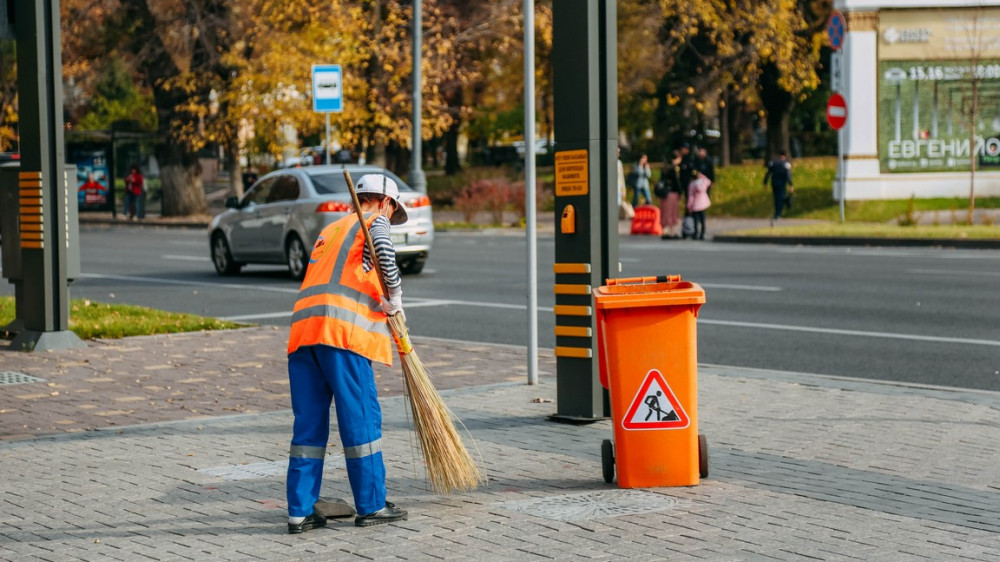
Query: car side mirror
point(232, 202)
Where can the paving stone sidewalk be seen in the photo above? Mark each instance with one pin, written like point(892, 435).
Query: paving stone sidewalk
point(802, 467)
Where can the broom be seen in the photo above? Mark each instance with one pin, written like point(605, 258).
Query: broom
point(450, 468)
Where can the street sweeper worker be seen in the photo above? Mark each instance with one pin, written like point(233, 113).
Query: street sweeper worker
point(338, 328)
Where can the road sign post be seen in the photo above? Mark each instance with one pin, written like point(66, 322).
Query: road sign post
point(836, 27)
point(328, 95)
point(836, 116)
point(836, 109)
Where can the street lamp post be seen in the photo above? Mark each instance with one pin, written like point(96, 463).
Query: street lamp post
point(417, 179)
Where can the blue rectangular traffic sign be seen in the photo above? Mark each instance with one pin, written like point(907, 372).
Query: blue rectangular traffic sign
point(328, 88)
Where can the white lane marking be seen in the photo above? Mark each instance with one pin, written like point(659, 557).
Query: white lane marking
point(888, 335)
point(162, 281)
point(185, 258)
point(407, 305)
point(765, 288)
point(242, 317)
point(952, 272)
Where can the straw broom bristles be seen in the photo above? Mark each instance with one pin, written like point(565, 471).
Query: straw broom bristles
point(449, 466)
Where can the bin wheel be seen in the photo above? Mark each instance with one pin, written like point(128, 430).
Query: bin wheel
point(608, 460)
point(702, 456)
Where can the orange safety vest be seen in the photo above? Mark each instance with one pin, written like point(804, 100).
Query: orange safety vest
point(338, 303)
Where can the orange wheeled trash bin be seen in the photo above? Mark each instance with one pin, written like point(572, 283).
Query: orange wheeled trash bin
point(647, 350)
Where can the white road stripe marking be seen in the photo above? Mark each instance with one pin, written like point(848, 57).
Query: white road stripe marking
point(953, 273)
point(185, 258)
point(162, 281)
point(888, 335)
point(243, 317)
point(764, 288)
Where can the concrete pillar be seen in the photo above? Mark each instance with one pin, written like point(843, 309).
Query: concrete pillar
point(861, 77)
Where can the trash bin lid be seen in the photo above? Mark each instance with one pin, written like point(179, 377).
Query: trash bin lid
point(664, 290)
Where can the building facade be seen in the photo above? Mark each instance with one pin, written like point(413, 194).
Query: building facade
point(922, 84)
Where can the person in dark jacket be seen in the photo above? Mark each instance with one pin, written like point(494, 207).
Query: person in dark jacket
point(672, 190)
point(703, 164)
point(779, 171)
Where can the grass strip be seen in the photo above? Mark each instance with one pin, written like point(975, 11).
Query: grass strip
point(92, 320)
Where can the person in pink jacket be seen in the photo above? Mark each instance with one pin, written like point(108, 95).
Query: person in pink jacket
point(698, 201)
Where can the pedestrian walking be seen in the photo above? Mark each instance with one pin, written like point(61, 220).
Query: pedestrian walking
point(625, 210)
point(135, 188)
point(643, 173)
point(338, 328)
point(779, 171)
point(697, 201)
point(673, 190)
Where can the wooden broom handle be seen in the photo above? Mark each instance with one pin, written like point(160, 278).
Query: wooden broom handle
point(368, 235)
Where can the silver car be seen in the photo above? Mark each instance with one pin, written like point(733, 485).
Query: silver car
point(279, 218)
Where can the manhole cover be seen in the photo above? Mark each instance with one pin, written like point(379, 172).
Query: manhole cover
point(261, 469)
point(13, 377)
point(589, 506)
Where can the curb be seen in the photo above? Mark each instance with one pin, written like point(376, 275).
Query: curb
point(853, 241)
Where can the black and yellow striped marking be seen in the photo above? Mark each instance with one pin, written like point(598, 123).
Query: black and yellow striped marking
point(571, 268)
point(574, 331)
point(575, 352)
point(567, 289)
point(32, 228)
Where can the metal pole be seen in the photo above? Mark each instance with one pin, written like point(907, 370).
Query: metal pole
point(328, 148)
point(529, 187)
point(840, 170)
point(417, 179)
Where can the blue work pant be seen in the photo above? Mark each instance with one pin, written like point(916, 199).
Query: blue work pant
point(318, 374)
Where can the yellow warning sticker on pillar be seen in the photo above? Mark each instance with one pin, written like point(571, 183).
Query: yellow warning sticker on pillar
point(571, 172)
point(655, 406)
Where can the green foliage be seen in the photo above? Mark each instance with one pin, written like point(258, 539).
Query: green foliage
point(91, 320)
point(739, 191)
point(116, 98)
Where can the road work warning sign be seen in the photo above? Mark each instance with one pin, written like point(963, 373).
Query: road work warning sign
point(571, 172)
point(655, 406)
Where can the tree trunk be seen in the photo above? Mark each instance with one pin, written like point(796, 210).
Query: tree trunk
point(180, 177)
point(778, 104)
point(725, 139)
point(378, 153)
point(737, 134)
point(235, 170)
point(973, 110)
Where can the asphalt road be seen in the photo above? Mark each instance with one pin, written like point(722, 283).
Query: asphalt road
point(918, 315)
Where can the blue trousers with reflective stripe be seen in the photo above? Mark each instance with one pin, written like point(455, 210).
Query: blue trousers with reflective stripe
point(316, 375)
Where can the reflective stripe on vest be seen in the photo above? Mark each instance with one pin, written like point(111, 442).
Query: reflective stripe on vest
point(338, 303)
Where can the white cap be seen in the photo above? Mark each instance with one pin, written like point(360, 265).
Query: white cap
point(384, 185)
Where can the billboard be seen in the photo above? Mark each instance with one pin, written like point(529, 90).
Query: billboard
point(92, 181)
point(929, 62)
point(926, 117)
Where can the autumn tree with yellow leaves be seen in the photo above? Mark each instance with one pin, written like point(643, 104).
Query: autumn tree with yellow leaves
point(754, 53)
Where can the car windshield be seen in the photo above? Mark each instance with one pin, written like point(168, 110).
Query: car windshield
point(329, 183)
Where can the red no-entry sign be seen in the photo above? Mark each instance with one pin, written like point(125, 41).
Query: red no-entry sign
point(836, 111)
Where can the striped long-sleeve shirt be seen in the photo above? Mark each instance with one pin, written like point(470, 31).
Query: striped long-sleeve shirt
point(386, 253)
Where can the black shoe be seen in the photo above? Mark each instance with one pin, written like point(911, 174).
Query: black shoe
point(388, 514)
point(314, 521)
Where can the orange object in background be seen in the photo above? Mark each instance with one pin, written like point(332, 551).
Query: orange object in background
point(648, 357)
point(647, 220)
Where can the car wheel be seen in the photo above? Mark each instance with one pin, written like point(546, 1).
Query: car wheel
point(297, 257)
point(412, 266)
point(222, 257)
